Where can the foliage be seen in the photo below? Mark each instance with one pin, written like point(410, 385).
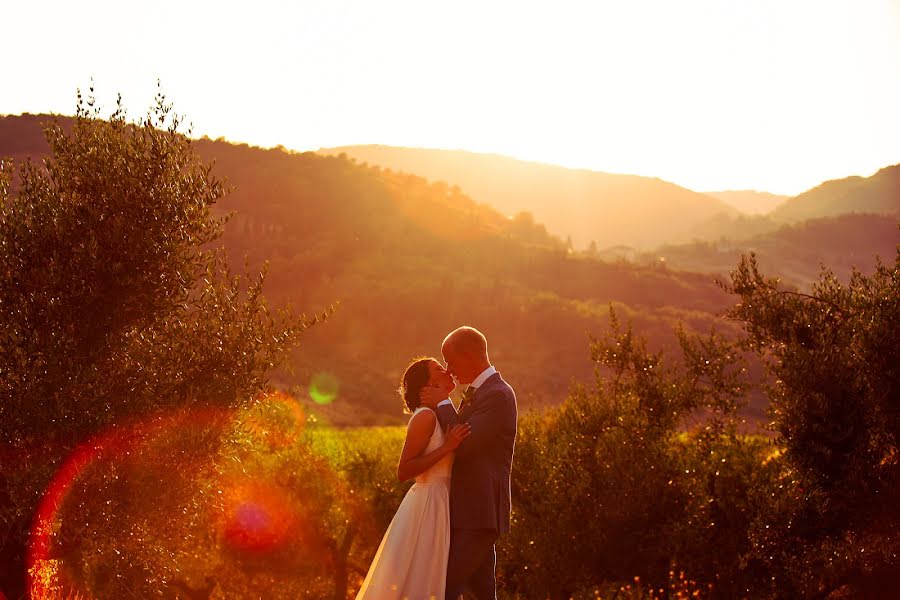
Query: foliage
point(114, 305)
point(834, 358)
point(366, 459)
point(608, 487)
point(286, 508)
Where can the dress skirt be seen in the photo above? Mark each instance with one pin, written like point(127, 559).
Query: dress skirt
point(411, 562)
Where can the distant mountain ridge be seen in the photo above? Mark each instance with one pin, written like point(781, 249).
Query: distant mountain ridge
point(628, 211)
point(878, 194)
point(588, 206)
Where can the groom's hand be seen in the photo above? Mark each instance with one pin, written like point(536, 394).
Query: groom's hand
point(430, 396)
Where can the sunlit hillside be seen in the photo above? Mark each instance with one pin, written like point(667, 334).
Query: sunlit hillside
point(878, 194)
point(604, 208)
point(407, 260)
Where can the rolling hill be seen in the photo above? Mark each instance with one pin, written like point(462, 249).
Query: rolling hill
point(795, 252)
point(588, 206)
point(878, 194)
point(407, 260)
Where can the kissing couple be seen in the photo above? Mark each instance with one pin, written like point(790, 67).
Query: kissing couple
point(440, 542)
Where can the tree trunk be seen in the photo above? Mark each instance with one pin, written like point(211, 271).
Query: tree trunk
point(341, 571)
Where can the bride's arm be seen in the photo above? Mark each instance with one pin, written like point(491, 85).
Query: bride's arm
point(421, 427)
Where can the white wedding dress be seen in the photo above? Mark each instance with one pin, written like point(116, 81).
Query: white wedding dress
point(411, 562)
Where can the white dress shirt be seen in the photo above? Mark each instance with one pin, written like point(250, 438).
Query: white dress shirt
point(476, 383)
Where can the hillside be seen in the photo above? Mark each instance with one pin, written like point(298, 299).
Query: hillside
point(588, 206)
point(878, 194)
point(407, 260)
point(794, 252)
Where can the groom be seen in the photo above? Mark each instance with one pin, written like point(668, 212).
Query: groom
point(479, 486)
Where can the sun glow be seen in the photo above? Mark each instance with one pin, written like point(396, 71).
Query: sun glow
point(773, 95)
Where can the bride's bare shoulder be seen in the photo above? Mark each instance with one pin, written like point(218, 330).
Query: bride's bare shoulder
point(423, 418)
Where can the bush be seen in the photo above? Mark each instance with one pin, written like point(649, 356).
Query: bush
point(608, 487)
point(114, 307)
point(834, 359)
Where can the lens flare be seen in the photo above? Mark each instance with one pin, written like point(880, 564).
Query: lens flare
point(258, 518)
point(113, 444)
point(323, 388)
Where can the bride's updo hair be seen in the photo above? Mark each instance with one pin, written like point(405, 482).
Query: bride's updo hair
point(414, 379)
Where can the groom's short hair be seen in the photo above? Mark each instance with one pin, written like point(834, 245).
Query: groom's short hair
point(467, 340)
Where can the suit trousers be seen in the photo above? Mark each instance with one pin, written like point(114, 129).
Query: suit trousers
point(470, 566)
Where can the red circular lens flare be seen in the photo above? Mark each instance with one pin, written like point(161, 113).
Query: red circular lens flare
point(109, 445)
point(258, 518)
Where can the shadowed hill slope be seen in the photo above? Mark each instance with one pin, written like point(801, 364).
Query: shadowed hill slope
point(795, 252)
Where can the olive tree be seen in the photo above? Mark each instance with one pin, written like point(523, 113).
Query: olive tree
point(834, 359)
point(115, 302)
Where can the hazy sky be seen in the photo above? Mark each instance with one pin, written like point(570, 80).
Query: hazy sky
point(775, 95)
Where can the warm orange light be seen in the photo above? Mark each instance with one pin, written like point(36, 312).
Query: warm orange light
point(258, 518)
point(113, 444)
point(277, 418)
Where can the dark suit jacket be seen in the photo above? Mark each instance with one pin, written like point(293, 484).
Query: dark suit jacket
point(480, 488)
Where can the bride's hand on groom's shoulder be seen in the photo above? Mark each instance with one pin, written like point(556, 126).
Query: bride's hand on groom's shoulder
point(430, 396)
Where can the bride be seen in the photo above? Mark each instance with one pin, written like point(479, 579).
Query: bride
point(411, 562)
